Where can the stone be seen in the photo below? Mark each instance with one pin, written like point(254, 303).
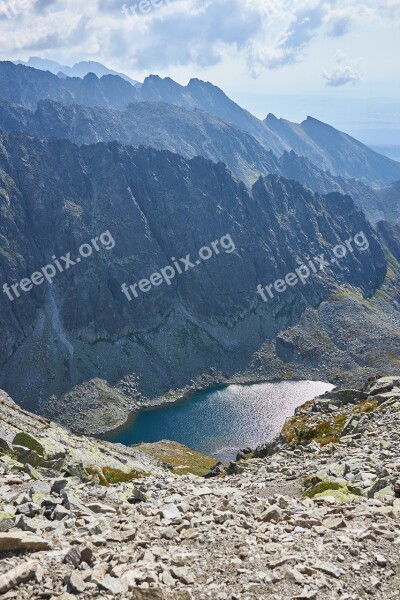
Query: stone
point(15, 541)
point(135, 496)
point(59, 486)
point(157, 594)
point(7, 521)
point(41, 488)
point(170, 512)
point(29, 509)
point(60, 512)
point(380, 560)
point(87, 555)
point(328, 569)
point(273, 514)
point(72, 503)
point(76, 583)
point(397, 489)
point(98, 508)
point(19, 574)
point(113, 585)
point(73, 556)
point(334, 523)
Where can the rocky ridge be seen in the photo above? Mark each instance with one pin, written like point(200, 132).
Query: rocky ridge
point(314, 513)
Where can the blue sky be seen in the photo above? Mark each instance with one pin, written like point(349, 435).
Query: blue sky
point(335, 59)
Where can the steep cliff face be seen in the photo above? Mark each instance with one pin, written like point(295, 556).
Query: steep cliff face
point(325, 146)
point(191, 133)
point(159, 125)
point(157, 208)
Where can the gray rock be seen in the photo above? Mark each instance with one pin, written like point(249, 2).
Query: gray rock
point(76, 583)
point(170, 512)
point(73, 557)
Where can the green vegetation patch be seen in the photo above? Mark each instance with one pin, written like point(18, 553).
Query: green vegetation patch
point(305, 429)
point(183, 460)
point(110, 476)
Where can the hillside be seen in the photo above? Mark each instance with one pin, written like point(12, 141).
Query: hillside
point(325, 146)
point(265, 525)
point(82, 327)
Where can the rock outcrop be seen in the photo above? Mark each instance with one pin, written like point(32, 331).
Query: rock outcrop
point(81, 332)
point(317, 516)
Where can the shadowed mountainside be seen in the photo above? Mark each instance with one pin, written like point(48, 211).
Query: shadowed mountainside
point(157, 205)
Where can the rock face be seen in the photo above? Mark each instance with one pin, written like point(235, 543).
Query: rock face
point(82, 327)
point(328, 148)
point(159, 125)
point(191, 133)
point(311, 518)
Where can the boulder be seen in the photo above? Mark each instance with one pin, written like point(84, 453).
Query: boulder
point(16, 541)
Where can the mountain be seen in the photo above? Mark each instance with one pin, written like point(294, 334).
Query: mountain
point(160, 125)
point(157, 207)
point(79, 69)
point(334, 151)
point(210, 98)
point(191, 133)
point(27, 86)
point(377, 203)
point(328, 148)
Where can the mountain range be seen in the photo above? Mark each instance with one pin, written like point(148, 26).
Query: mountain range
point(79, 69)
point(326, 147)
point(167, 170)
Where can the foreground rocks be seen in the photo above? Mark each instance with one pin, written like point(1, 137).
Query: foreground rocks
point(305, 519)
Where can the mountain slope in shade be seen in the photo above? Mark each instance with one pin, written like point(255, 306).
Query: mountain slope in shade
point(79, 69)
point(377, 203)
point(334, 151)
point(27, 86)
point(191, 133)
point(160, 125)
point(55, 196)
point(208, 97)
point(328, 148)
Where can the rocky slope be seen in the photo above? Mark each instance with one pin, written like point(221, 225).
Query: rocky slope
point(325, 146)
point(191, 133)
point(314, 514)
point(81, 333)
point(159, 125)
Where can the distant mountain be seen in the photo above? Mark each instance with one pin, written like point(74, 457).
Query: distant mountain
point(377, 203)
point(325, 146)
point(27, 86)
point(79, 69)
point(160, 125)
point(191, 133)
point(208, 97)
point(55, 196)
point(334, 151)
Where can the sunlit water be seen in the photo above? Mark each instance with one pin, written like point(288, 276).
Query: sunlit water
point(221, 421)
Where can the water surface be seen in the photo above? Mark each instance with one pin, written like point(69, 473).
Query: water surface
point(221, 421)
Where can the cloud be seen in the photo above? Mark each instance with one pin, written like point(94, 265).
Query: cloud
point(266, 34)
point(344, 72)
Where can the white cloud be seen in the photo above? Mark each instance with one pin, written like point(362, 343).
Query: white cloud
point(267, 34)
point(345, 71)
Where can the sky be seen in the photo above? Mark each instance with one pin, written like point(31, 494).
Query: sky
point(337, 60)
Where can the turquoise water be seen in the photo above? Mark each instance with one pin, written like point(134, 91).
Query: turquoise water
point(221, 421)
